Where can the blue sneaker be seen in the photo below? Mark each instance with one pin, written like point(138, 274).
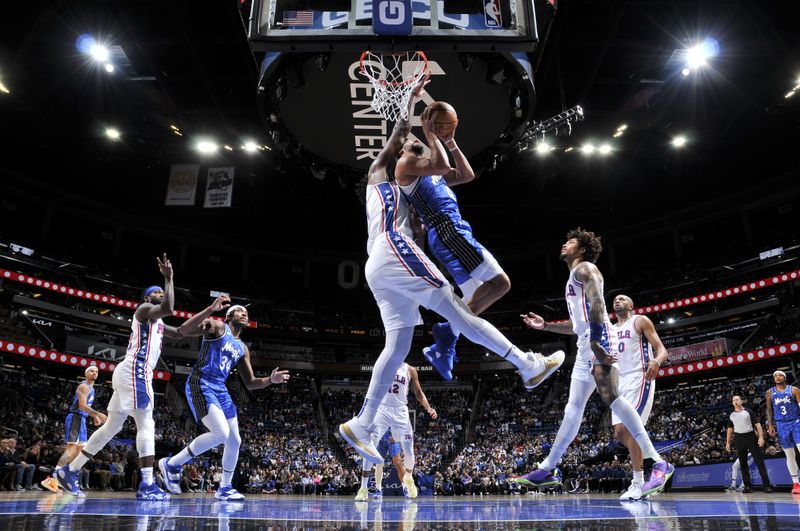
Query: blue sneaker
point(151, 492)
point(443, 363)
point(377, 495)
point(540, 478)
point(68, 480)
point(171, 475)
point(228, 494)
point(444, 337)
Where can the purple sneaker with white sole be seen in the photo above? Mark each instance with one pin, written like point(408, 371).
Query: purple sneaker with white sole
point(540, 478)
point(658, 478)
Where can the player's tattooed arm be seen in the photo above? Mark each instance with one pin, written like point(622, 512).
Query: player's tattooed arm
point(770, 414)
point(589, 275)
point(195, 325)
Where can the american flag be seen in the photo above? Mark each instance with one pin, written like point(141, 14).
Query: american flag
point(298, 18)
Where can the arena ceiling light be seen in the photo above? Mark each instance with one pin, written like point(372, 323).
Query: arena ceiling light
point(4, 89)
point(113, 133)
point(543, 148)
point(587, 149)
point(698, 55)
point(206, 147)
point(99, 53)
point(604, 149)
point(679, 141)
point(250, 146)
point(109, 68)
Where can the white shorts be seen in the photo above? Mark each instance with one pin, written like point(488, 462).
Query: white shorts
point(396, 419)
point(488, 269)
point(132, 389)
point(585, 360)
point(402, 279)
point(635, 388)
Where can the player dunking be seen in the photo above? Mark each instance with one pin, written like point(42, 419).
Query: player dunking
point(133, 388)
point(75, 432)
point(596, 364)
point(211, 404)
point(402, 278)
point(426, 182)
point(641, 353)
point(783, 419)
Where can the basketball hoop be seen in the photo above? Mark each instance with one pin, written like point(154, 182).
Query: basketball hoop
point(393, 75)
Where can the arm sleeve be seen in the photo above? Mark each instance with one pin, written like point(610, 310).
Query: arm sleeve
point(730, 422)
point(753, 418)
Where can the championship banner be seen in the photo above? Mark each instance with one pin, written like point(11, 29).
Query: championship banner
point(182, 184)
point(219, 187)
point(698, 351)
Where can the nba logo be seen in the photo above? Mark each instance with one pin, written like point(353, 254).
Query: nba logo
point(492, 11)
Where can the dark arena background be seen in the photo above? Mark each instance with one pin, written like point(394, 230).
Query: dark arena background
point(235, 137)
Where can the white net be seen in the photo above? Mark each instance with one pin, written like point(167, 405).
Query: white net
point(393, 76)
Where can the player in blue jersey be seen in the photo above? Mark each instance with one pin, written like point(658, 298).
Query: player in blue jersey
point(427, 181)
point(75, 431)
point(221, 350)
point(390, 449)
point(783, 419)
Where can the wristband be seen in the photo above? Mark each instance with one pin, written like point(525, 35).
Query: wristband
point(657, 362)
point(453, 142)
point(597, 332)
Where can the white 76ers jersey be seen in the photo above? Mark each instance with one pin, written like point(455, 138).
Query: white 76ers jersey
point(397, 395)
point(633, 347)
point(387, 211)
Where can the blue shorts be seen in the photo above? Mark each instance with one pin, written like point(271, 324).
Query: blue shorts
point(75, 429)
point(788, 432)
point(202, 394)
point(455, 247)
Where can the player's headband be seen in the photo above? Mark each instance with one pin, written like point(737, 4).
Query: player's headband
point(86, 372)
point(233, 308)
point(150, 290)
point(779, 372)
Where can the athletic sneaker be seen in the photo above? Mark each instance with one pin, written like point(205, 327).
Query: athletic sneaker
point(732, 488)
point(171, 475)
point(409, 488)
point(634, 492)
point(536, 372)
point(361, 441)
point(377, 495)
point(661, 473)
point(363, 494)
point(151, 492)
point(796, 488)
point(68, 480)
point(51, 484)
point(228, 493)
point(540, 478)
point(442, 362)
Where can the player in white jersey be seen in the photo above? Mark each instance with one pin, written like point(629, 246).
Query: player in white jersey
point(596, 366)
point(637, 342)
point(393, 415)
point(402, 279)
point(132, 381)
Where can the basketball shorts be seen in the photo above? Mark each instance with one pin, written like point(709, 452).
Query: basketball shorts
point(585, 359)
point(202, 394)
point(637, 390)
point(133, 388)
point(395, 419)
point(788, 432)
point(75, 429)
point(465, 258)
point(402, 279)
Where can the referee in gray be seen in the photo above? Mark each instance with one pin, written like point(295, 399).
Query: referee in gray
point(741, 425)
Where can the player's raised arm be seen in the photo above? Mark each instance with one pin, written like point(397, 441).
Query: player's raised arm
point(148, 311)
point(195, 326)
point(463, 172)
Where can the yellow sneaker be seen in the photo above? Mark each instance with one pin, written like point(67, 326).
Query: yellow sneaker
point(362, 495)
point(51, 484)
point(409, 488)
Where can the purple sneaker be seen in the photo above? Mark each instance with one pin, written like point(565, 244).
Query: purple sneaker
point(540, 478)
point(658, 478)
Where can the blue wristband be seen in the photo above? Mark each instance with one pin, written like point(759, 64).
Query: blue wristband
point(597, 332)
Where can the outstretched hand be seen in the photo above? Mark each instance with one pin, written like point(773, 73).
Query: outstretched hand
point(417, 91)
point(220, 303)
point(532, 320)
point(165, 267)
point(278, 376)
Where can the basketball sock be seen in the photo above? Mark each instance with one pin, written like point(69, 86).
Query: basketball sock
point(579, 393)
point(638, 477)
point(791, 464)
point(398, 344)
point(147, 475)
point(364, 482)
point(227, 477)
point(518, 358)
point(78, 462)
point(631, 419)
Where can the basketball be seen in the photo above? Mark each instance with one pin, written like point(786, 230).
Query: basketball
point(446, 118)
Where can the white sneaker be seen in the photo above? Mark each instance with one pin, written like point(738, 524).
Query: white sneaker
point(363, 494)
point(634, 492)
point(540, 368)
point(409, 488)
point(361, 441)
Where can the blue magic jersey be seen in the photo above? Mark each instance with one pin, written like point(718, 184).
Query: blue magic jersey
point(89, 400)
point(218, 357)
point(449, 236)
point(784, 405)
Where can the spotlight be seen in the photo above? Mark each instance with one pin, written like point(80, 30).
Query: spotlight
point(99, 53)
point(227, 147)
point(685, 72)
point(622, 127)
point(698, 55)
point(250, 146)
point(618, 134)
point(604, 149)
point(542, 148)
point(788, 94)
point(109, 68)
point(679, 141)
point(587, 149)
point(206, 146)
point(568, 149)
point(113, 133)
point(671, 320)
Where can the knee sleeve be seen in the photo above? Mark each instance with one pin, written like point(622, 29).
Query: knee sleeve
point(230, 455)
point(408, 455)
point(217, 425)
point(145, 432)
point(106, 432)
